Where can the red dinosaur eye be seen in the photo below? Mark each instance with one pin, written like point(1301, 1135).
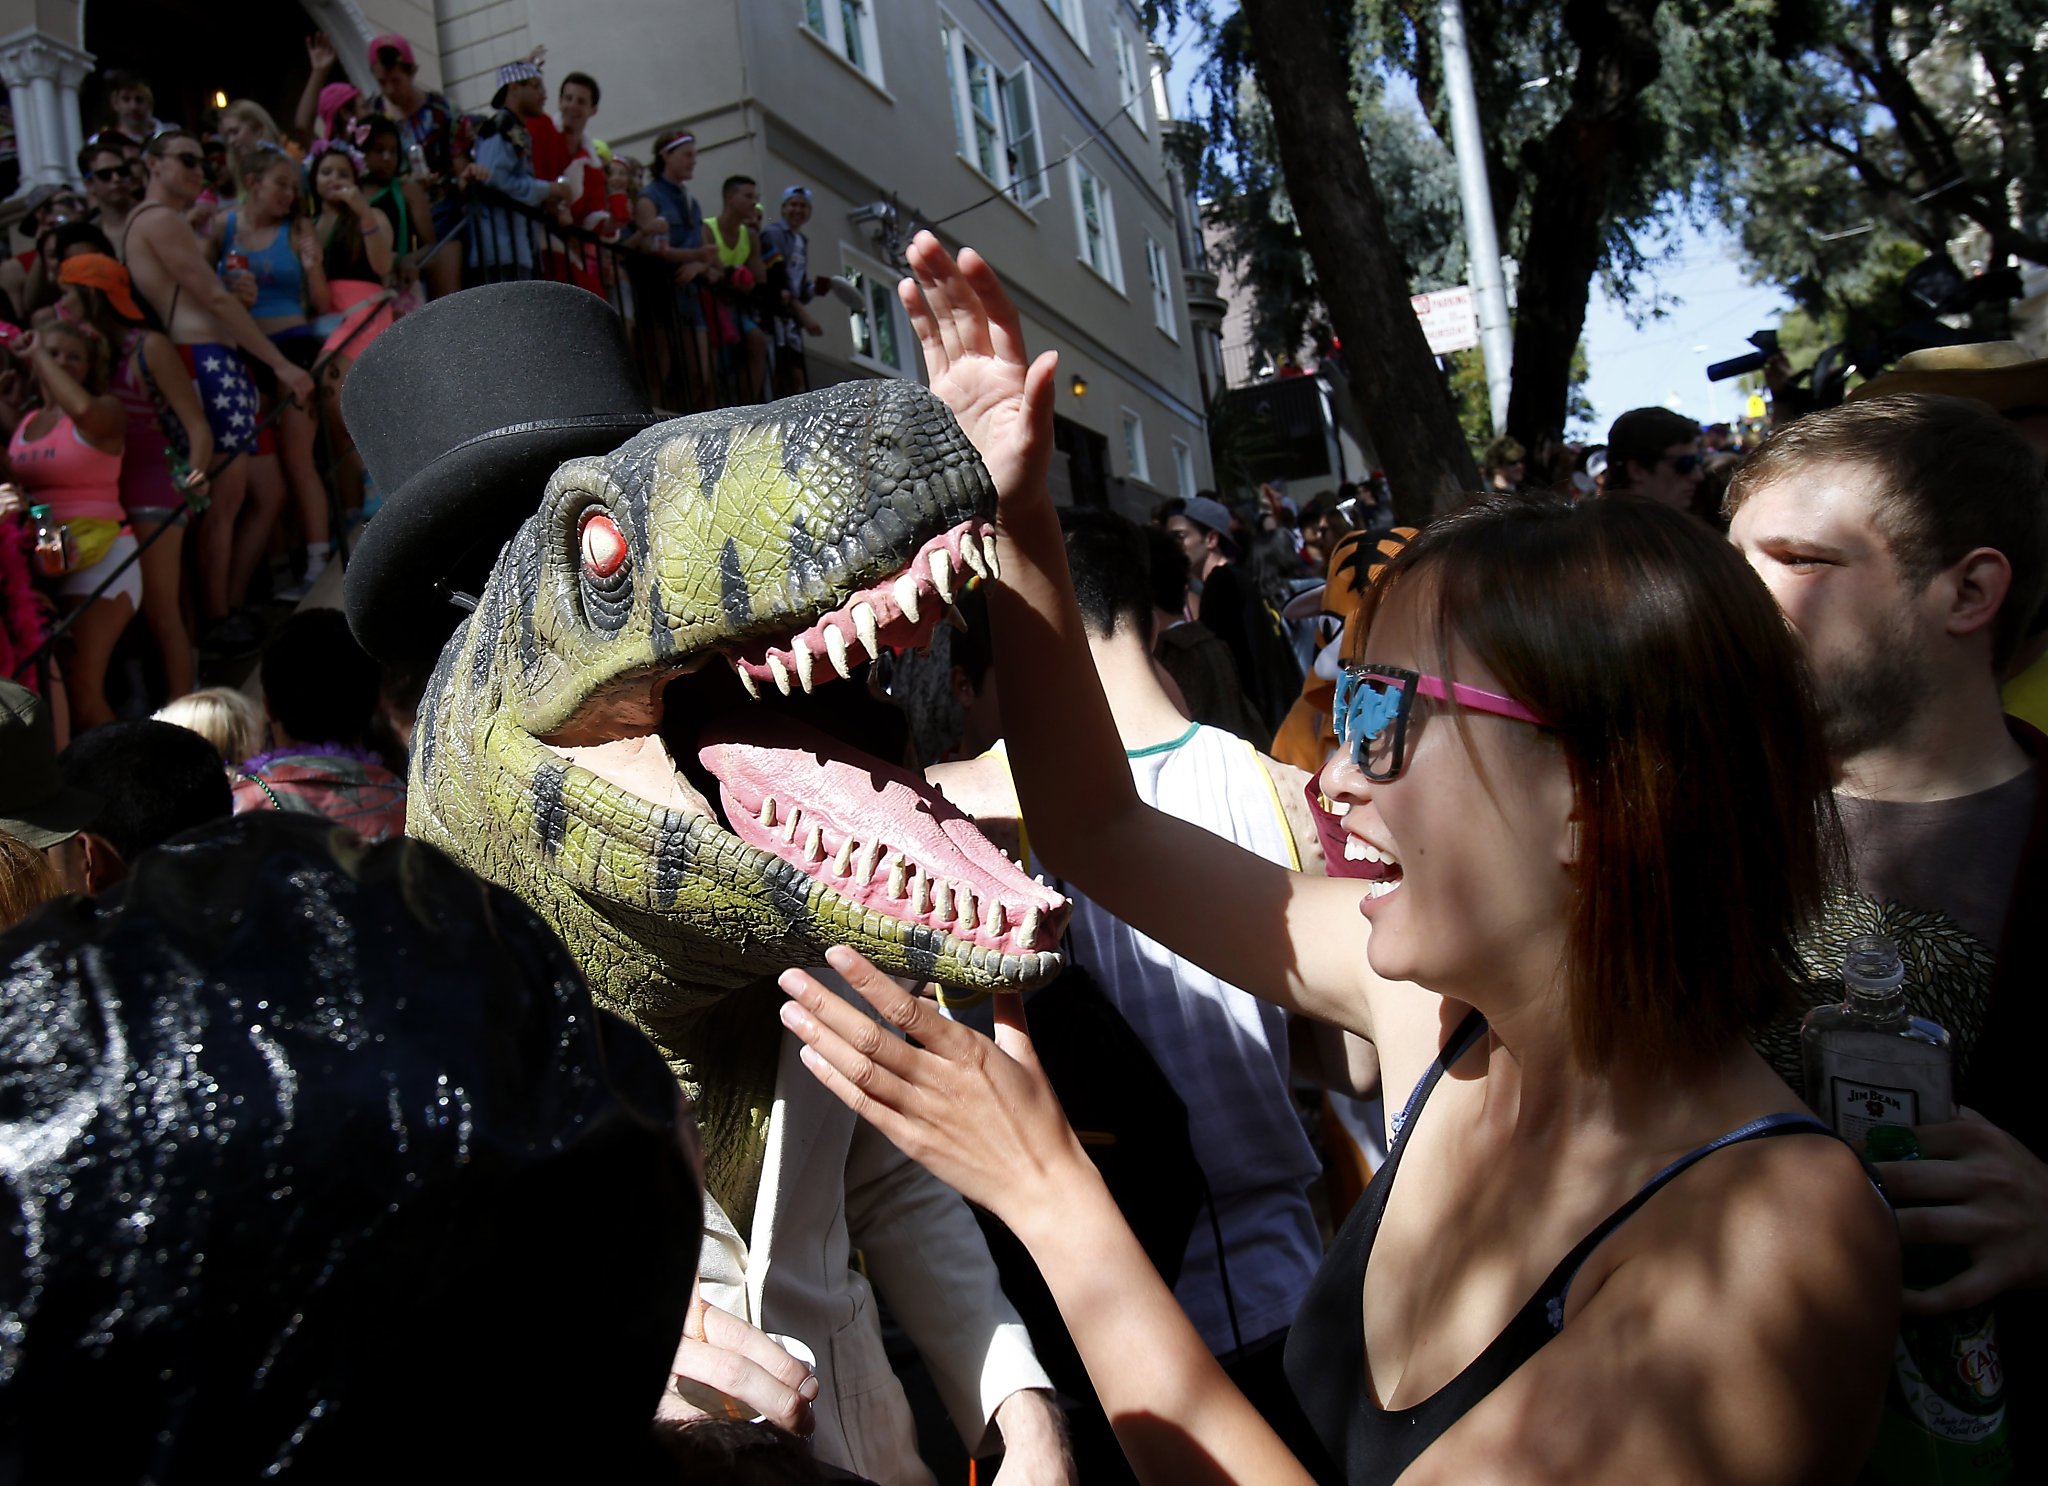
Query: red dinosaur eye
point(604, 549)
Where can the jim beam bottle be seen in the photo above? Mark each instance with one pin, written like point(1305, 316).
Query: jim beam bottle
point(1868, 1060)
point(1944, 1413)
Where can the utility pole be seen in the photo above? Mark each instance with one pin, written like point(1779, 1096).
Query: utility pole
point(1482, 239)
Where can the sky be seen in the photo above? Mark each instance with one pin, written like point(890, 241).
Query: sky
point(1705, 309)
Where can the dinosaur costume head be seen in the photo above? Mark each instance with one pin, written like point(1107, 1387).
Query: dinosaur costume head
point(625, 730)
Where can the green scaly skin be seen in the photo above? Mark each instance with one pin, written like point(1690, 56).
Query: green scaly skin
point(740, 526)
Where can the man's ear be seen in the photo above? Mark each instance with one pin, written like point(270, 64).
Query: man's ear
point(1976, 585)
point(103, 864)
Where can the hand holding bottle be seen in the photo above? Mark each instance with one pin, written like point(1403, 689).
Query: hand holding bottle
point(1979, 1189)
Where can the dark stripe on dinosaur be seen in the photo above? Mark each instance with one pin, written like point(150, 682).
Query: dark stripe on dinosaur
point(526, 569)
point(661, 640)
point(426, 729)
point(673, 855)
point(486, 630)
point(712, 447)
point(733, 597)
point(921, 954)
point(791, 892)
point(549, 812)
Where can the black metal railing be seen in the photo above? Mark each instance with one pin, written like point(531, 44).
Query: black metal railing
point(689, 341)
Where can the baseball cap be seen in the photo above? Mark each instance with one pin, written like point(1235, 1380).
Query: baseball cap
point(35, 802)
point(397, 44)
point(797, 193)
point(98, 271)
point(1206, 511)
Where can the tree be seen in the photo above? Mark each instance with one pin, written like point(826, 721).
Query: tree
point(1888, 137)
point(1360, 275)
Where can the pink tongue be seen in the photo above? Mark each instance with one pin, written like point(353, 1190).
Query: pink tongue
point(758, 755)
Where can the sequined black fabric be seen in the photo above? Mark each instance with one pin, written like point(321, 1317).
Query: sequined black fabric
point(318, 1162)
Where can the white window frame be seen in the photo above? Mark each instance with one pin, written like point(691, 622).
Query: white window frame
point(1183, 469)
point(1073, 20)
point(1023, 179)
point(876, 284)
point(1159, 279)
point(1139, 464)
point(1113, 273)
point(1132, 90)
point(830, 15)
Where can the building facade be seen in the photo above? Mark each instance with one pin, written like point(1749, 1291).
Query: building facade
point(1029, 129)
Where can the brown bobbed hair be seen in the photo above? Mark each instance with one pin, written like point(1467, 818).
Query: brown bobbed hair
point(1680, 699)
point(1947, 475)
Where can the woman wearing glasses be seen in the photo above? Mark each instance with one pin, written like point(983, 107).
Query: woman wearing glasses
point(1580, 775)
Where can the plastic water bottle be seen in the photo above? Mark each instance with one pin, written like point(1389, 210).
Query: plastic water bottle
point(1868, 1060)
point(1944, 1412)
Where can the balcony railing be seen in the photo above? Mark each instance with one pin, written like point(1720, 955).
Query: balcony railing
point(686, 339)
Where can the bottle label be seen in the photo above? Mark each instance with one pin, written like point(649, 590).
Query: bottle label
point(1855, 1104)
point(1949, 1378)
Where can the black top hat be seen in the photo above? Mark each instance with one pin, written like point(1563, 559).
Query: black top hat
point(461, 412)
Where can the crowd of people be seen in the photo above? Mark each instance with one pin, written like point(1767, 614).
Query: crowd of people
point(180, 327)
point(1543, 825)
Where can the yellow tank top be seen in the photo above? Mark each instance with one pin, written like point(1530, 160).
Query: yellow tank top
point(736, 255)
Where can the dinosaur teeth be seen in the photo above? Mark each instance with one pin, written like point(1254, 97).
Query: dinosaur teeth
point(967, 914)
point(970, 553)
point(747, 680)
point(835, 648)
point(1028, 930)
point(801, 654)
point(997, 920)
point(780, 672)
point(943, 898)
point(899, 877)
point(814, 845)
point(921, 902)
point(958, 620)
point(868, 859)
point(942, 573)
point(905, 589)
point(988, 552)
point(844, 859)
point(768, 810)
point(864, 626)
point(789, 826)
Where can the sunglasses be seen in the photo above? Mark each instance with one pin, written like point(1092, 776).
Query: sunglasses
point(1374, 704)
point(1683, 464)
point(109, 173)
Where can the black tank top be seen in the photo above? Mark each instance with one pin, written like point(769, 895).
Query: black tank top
point(1326, 1348)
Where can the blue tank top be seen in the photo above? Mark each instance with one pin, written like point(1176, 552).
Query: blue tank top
point(679, 209)
point(1369, 1445)
point(280, 279)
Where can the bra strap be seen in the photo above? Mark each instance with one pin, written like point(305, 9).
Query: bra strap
point(1572, 1263)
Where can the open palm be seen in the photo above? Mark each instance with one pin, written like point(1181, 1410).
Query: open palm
point(975, 358)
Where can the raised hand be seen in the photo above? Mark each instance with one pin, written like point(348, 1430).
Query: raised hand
point(978, 1115)
point(320, 53)
point(976, 362)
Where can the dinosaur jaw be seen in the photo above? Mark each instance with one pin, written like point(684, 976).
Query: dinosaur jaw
point(746, 752)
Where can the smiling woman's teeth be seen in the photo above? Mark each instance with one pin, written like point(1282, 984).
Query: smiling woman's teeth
point(1381, 887)
point(1359, 850)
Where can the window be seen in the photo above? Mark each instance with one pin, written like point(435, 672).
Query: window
point(1134, 448)
point(1095, 215)
point(848, 28)
point(1069, 12)
point(995, 117)
point(1130, 78)
point(1183, 470)
point(879, 327)
point(1156, 276)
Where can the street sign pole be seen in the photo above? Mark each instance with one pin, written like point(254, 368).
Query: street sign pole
point(1482, 239)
